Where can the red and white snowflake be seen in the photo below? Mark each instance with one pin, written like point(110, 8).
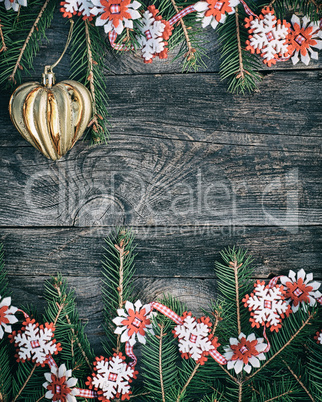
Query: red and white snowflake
point(155, 33)
point(211, 12)
point(268, 36)
point(195, 338)
point(111, 378)
point(318, 337)
point(303, 37)
point(115, 15)
point(300, 289)
point(7, 316)
point(245, 353)
point(14, 4)
point(77, 7)
point(133, 322)
point(267, 306)
point(59, 384)
point(34, 342)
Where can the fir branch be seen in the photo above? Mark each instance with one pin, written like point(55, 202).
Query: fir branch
point(191, 51)
point(188, 382)
point(25, 383)
point(305, 323)
point(235, 266)
point(299, 381)
point(3, 47)
point(240, 392)
point(160, 361)
point(34, 26)
point(279, 396)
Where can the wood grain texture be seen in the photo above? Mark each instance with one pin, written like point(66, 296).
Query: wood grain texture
point(190, 167)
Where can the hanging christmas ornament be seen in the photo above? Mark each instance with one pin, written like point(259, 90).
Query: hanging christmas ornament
point(51, 117)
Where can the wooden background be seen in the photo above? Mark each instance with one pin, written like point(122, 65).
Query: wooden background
point(190, 167)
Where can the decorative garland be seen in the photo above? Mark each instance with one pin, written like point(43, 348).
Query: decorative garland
point(111, 378)
point(131, 26)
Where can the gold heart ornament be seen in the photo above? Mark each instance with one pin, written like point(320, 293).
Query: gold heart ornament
point(51, 117)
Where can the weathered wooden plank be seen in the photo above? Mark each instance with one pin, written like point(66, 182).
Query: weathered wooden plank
point(160, 182)
point(162, 252)
point(196, 294)
point(285, 114)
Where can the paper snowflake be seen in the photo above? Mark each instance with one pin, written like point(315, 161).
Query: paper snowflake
point(195, 339)
point(318, 337)
point(7, 316)
point(112, 378)
point(211, 12)
point(303, 37)
point(133, 322)
point(245, 353)
point(115, 15)
point(299, 289)
point(155, 33)
point(14, 4)
point(267, 306)
point(34, 342)
point(59, 384)
point(79, 7)
point(268, 36)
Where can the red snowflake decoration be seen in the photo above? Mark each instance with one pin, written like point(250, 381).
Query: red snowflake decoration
point(34, 342)
point(195, 339)
point(267, 306)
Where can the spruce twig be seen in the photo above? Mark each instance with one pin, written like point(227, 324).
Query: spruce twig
point(310, 317)
point(34, 26)
point(3, 47)
point(188, 381)
point(278, 396)
point(160, 362)
point(241, 72)
point(299, 381)
point(25, 383)
point(236, 266)
point(191, 51)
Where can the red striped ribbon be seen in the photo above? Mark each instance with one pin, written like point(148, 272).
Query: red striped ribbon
point(268, 344)
point(319, 300)
point(24, 313)
point(247, 9)
point(167, 312)
point(273, 281)
point(112, 38)
point(217, 356)
point(85, 393)
point(51, 362)
point(181, 14)
point(129, 352)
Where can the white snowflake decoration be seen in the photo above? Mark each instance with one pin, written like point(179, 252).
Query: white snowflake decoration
point(267, 306)
point(245, 353)
point(151, 40)
point(14, 4)
point(268, 36)
point(300, 289)
point(194, 340)
point(112, 377)
point(35, 342)
point(211, 12)
point(7, 316)
point(80, 7)
point(115, 15)
point(59, 384)
point(303, 37)
point(133, 322)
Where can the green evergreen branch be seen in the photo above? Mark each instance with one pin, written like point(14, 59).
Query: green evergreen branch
point(25, 383)
point(299, 381)
point(32, 22)
point(277, 353)
point(87, 63)
point(278, 396)
point(3, 47)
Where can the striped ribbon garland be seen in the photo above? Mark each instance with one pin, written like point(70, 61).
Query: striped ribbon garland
point(51, 362)
point(24, 313)
point(181, 14)
point(247, 9)
point(112, 38)
point(85, 393)
point(129, 352)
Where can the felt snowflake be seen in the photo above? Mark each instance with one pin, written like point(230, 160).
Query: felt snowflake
point(34, 342)
point(303, 37)
point(155, 33)
point(59, 384)
point(268, 36)
point(133, 322)
point(195, 339)
point(115, 15)
point(211, 12)
point(318, 337)
point(14, 4)
point(112, 378)
point(267, 306)
point(245, 353)
point(79, 7)
point(299, 289)
point(7, 316)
